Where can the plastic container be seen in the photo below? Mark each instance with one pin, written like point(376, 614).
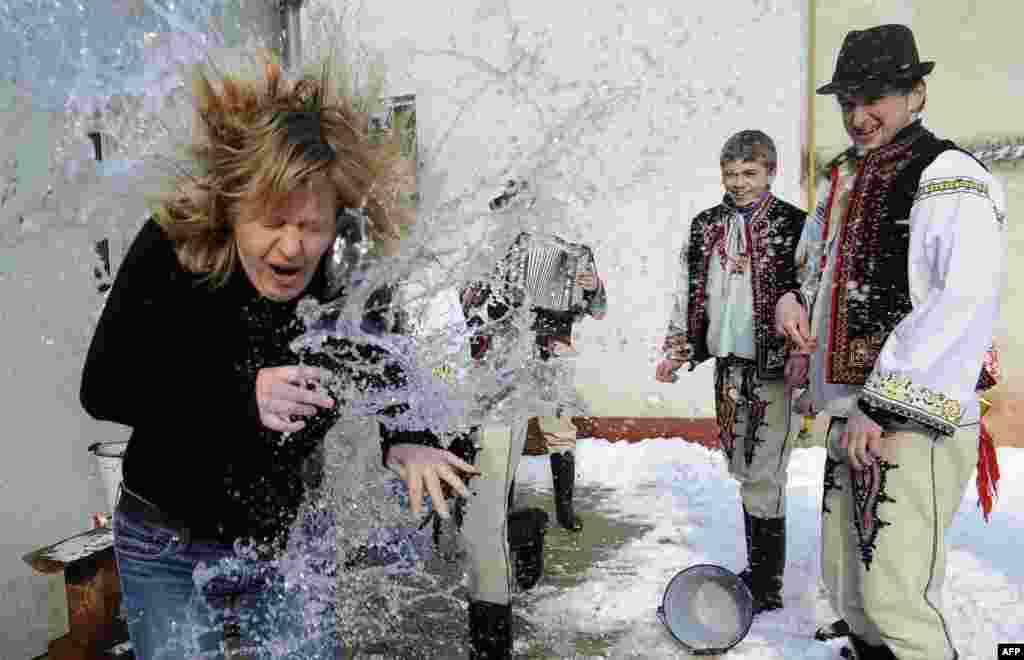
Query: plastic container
point(109, 456)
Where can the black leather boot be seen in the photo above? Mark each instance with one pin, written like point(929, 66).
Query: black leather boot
point(861, 650)
point(490, 631)
point(767, 561)
point(834, 630)
point(563, 474)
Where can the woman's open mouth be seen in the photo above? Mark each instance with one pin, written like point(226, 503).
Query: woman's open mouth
point(287, 275)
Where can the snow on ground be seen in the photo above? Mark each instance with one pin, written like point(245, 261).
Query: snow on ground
point(685, 493)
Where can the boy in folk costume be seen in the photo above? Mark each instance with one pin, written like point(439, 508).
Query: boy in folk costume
point(737, 263)
point(901, 270)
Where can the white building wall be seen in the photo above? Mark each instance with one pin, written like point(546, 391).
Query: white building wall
point(710, 70)
point(49, 482)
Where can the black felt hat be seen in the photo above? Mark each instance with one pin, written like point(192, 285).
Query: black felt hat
point(872, 60)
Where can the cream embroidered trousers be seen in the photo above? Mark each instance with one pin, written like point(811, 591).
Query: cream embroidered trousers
point(555, 379)
point(897, 598)
point(484, 533)
point(763, 481)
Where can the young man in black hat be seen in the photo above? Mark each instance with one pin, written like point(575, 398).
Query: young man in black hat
point(900, 273)
point(737, 263)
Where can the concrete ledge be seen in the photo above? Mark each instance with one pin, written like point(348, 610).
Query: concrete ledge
point(701, 430)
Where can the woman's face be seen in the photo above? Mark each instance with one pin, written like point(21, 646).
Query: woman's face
point(280, 250)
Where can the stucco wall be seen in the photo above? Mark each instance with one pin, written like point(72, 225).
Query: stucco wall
point(49, 483)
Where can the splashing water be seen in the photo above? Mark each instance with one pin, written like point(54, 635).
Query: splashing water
point(128, 86)
point(66, 54)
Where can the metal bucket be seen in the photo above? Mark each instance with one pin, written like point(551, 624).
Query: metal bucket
point(707, 608)
point(109, 456)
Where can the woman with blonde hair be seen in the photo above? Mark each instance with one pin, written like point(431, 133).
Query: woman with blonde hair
point(191, 351)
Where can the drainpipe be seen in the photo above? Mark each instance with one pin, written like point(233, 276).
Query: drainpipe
point(291, 32)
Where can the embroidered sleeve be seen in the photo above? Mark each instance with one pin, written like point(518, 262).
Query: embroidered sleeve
point(677, 345)
point(928, 367)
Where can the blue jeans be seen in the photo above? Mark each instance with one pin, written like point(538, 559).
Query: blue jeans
point(179, 595)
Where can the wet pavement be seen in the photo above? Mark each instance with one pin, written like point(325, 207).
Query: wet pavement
point(432, 617)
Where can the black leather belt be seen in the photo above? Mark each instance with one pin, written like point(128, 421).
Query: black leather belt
point(139, 508)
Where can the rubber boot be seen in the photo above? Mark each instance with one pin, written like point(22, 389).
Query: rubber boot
point(860, 650)
point(745, 574)
point(490, 631)
point(836, 629)
point(767, 561)
point(563, 474)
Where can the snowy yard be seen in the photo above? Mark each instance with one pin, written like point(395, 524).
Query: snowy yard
point(682, 508)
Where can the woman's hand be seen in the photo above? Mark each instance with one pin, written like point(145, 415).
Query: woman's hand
point(420, 465)
point(283, 393)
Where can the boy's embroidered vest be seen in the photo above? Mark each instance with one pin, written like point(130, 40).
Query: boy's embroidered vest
point(773, 233)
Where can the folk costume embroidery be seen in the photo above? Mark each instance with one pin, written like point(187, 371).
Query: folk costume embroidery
point(895, 326)
point(738, 389)
point(757, 407)
point(870, 290)
point(727, 402)
point(868, 494)
point(770, 238)
point(830, 483)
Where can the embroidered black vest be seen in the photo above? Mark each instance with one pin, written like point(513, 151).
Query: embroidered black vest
point(773, 234)
point(871, 287)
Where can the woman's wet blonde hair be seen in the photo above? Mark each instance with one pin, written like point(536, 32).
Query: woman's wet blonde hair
point(260, 137)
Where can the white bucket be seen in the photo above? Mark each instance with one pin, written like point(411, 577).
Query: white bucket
point(707, 608)
point(109, 456)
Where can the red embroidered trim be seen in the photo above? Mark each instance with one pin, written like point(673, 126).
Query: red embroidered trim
point(837, 274)
point(844, 226)
point(763, 269)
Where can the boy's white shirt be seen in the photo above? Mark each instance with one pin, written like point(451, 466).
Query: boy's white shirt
point(730, 299)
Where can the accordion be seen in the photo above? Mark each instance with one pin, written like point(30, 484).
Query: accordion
point(544, 267)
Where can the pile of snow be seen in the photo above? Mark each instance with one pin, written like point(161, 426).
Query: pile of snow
point(684, 492)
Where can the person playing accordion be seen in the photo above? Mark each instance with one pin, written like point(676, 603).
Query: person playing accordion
point(558, 282)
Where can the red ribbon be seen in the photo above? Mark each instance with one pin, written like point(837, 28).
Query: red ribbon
point(988, 472)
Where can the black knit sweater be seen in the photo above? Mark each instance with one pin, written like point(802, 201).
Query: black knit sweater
point(177, 361)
